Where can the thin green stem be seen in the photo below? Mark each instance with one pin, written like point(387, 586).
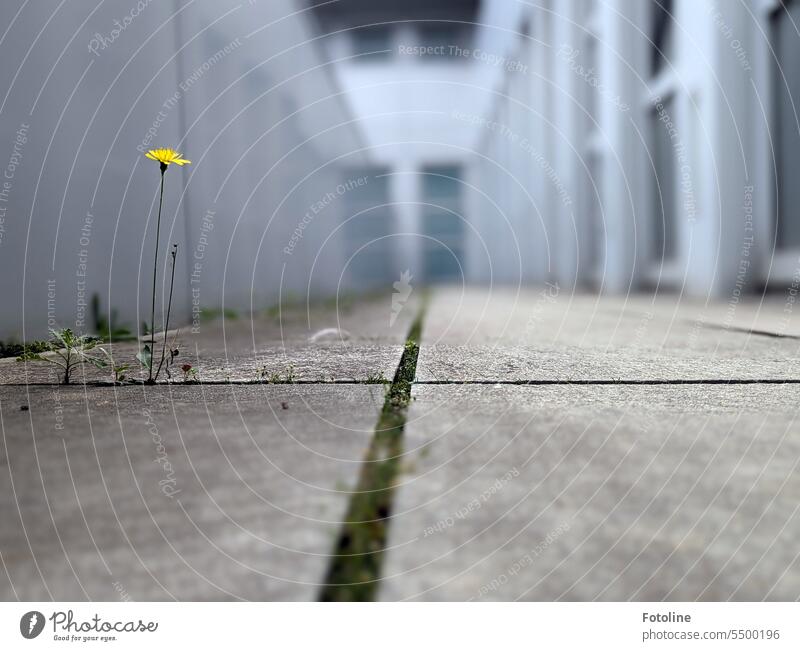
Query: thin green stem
point(169, 309)
point(155, 274)
point(67, 367)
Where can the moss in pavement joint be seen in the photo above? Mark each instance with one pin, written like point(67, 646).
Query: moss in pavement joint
point(355, 568)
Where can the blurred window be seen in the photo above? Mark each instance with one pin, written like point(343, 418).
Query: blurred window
point(365, 192)
point(664, 188)
point(448, 39)
point(596, 253)
point(660, 35)
point(373, 42)
point(786, 102)
point(443, 222)
point(590, 103)
point(442, 183)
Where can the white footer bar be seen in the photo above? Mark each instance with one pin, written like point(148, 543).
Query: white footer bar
point(399, 626)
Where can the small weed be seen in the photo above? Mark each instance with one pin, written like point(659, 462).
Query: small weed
point(14, 349)
point(119, 370)
point(169, 359)
point(376, 378)
point(289, 301)
point(272, 312)
point(109, 329)
point(67, 351)
point(212, 313)
point(189, 373)
point(275, 377)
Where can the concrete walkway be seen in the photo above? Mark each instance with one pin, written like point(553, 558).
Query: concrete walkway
point(557, 447)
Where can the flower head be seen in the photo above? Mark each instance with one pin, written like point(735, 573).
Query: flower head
point(166, 157)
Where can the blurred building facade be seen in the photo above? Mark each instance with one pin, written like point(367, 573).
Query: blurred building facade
point(612, 145)
point(654, 143)
point(616, 145)
point(398, 67)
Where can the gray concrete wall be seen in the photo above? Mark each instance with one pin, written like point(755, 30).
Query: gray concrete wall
point(234, 87)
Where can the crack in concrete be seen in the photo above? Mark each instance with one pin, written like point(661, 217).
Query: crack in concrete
point(355, 570)
point(176, 385)
point(748, 331)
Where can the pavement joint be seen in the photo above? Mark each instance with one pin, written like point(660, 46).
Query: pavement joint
point(123, 385)
point(750, 331)
point(355, 569)
point(602, 382)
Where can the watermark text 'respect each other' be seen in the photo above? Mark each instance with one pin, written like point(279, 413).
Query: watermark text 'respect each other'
point(319, 206)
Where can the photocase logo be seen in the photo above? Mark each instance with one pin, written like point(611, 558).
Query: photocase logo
point(31, 624)
point(402, 290)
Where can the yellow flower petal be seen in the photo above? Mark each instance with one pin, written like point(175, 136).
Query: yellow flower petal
point(166, 156)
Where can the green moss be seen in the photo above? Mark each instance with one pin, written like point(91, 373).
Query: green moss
point(14, 349)
point(212, 313)
point(357, 559)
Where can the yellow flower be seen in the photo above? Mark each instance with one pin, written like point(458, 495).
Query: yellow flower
point(166, 157)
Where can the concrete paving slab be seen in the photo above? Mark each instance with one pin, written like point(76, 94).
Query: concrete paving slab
point(598, 492)
point(549, 314)
point(545, 336)
point(501, 363)
point(355, 340)
point(185, 492)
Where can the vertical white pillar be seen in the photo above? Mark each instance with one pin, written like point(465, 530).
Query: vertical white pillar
point(727, 117)
point(562, 155)
point(623, 55)
point(404, 192)
point(545, 245)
